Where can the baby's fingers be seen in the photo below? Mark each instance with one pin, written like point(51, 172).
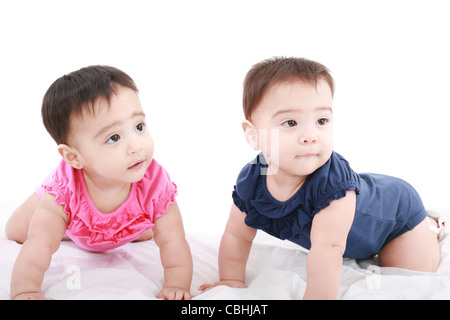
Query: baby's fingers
point(174, 294)
point(230, 283)
point(205, 287)
point(31, 296)
point(182, 295)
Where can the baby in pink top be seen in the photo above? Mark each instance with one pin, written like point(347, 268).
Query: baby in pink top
point(107, 191)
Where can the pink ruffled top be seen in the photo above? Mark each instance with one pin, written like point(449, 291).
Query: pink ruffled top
point(93, 230)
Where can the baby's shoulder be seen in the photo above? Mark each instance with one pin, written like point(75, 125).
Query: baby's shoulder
point(330, 182)
point(335, 170)
point(250, 176)
point(63, 178)
point(155, 184)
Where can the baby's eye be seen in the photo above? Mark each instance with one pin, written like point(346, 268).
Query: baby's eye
point(322, 122)
point(289, 123)
point(113, 139)
point(140, 127)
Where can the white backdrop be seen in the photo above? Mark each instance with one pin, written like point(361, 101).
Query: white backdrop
point(390, 61)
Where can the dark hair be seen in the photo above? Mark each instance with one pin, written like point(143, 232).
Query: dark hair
point(264, 75)
point(71, 94)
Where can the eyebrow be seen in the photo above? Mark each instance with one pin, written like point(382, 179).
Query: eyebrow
point(116, 123)
point(297, 110)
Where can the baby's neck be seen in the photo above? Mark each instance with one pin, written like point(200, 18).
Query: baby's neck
point(107, 198)
point(283, 187)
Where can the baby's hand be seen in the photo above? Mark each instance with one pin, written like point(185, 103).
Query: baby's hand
point(229, 283)
point(31, 296)
point(173, 293)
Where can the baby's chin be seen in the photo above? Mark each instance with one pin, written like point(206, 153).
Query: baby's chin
point(302, 166)
point(137, 173)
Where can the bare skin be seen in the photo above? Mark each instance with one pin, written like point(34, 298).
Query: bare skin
point(24, 227)
point(106, 146)
point(417, 249)
point(302, 116)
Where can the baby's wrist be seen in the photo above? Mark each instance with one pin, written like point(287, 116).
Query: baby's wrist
point(234, 283)
point(28, 296)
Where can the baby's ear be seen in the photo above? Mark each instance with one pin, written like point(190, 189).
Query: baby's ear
point(70, 155)
point(251, 134)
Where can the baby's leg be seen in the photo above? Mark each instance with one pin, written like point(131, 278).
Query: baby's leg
point(417, 249)
point(17, 225)
point(147, 235)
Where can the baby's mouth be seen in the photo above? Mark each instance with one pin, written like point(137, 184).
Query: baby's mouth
point(137, 165)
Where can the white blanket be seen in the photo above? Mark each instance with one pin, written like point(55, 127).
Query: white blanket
point(275, 270)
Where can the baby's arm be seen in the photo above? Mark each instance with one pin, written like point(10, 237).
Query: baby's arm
point(329, 233)
point(47, 227)
point(175, 255)
point(234, 250)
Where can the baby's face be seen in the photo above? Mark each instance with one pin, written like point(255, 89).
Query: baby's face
point(114, 144)
point(294, 124)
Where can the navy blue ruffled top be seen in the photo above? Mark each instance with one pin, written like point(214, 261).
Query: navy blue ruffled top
point(386, 207)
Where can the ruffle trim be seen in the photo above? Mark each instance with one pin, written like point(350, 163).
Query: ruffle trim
point(286, 220)
point(61, 196)
point(238, 201)
point(280, 219)
point(114, 227)
point(335, 194)
point(163, 204)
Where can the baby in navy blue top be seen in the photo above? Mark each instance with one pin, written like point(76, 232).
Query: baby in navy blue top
point(386, 207)
point(299, 189)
